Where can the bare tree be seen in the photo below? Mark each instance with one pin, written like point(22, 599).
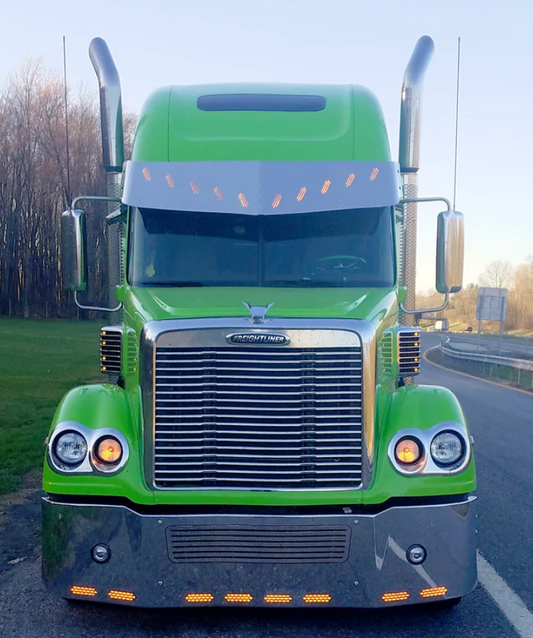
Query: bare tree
point(498, 274)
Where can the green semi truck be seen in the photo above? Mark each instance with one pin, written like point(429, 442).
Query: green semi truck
point(260, 440)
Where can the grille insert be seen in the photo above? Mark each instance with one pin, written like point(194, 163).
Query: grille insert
point(258, 544)
point(258, 418)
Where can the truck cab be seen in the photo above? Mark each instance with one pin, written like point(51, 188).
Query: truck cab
point(260, 440)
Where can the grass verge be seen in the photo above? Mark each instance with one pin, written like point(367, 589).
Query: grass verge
point(39, 362)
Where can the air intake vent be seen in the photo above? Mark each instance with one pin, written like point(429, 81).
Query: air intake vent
point(111, 349)
point(258, 544)
point(408, 352)
point(132, 351)
point(386, 352)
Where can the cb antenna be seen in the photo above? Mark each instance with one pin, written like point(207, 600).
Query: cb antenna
point(66, 116)
point(456, 120)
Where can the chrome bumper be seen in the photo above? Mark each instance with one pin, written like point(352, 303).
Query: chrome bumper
point(162, 559)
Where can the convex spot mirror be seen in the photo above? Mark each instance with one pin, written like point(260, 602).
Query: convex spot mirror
point(74, 250)
point(450, 251)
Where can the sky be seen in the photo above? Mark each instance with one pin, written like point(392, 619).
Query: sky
point(335, 41)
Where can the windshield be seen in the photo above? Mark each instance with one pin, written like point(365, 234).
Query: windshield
point(324, 249)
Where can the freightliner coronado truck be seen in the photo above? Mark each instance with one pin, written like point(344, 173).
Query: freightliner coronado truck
point(260, 440)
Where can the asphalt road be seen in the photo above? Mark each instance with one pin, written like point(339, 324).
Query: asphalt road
point(501, 422)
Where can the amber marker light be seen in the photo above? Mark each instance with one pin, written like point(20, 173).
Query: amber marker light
point(317, 598)
point(218, 193)
point(395, 596)
point(77, 590)
point(170, 181)
point(199, 598)
point(243, 200)
point(146, 174)
point(301, 194)
point(433, 592)
point(117, 594)
point(278, 598)
point(374, 174)
point(277, 200)
point(325, 186)
point(350, 179)
point(108, 451)
point(407, 451)
point(238, 598)
point(194, 188)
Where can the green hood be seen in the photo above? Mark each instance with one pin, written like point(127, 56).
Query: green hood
point(147, 304)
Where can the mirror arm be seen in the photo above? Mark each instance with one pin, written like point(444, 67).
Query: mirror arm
point(419, 200)
point(97, 308)
point(424, 310)
point(94, 198)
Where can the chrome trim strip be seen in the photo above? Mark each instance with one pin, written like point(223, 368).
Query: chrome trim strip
point(330, 333)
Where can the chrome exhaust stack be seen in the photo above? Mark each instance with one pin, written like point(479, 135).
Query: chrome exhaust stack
point(409, 159)
point(411, 107)
point(110, 105)
point(113, 156)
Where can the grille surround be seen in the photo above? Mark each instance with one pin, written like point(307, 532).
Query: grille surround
point(212, 333)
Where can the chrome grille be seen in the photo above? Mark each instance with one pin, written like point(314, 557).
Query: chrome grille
point(258, 544)
point(258, 417)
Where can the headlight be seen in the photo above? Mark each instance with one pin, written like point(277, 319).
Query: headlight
point(447, 448)
point(408, 451)
point(108, 450)
point(70, 448)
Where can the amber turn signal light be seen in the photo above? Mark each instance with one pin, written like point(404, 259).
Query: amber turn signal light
point(117, 594)
point(407, 451)
point(77, 590)
point(108, 451)
point(433, 592)
point(317, 598)
point(395, 596)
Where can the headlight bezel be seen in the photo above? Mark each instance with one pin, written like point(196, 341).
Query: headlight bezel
point(426, 464)
point(90, 464)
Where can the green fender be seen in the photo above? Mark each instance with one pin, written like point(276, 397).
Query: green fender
point(420, 407)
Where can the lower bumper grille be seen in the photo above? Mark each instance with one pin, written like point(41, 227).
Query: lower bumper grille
point(258, 544)
point(258, 418)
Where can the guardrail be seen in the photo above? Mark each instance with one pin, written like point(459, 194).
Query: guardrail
point(493, 364)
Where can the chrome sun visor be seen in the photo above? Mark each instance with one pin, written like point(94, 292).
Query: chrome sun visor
point(261, 188)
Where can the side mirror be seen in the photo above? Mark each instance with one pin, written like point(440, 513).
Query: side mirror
point(450, 251)
point(74, 250)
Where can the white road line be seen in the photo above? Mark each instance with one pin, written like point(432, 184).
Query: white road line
point(511, 605)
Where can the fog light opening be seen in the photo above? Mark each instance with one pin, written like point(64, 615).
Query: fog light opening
point(101, 553)
point(416, 554)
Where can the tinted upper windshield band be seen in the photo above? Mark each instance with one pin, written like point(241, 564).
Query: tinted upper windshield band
point(261, 188)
